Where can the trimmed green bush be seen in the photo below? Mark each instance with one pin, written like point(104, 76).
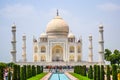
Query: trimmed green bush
point(77, 69)
point(33, 70)
point(90, 72)
point(98, 72)
point(21, 73)
point(38, 69)
point(14, 77)
point(18, 72)
point(102, 73)
point(28, 71)
point(24, 68)
point(41, 69)
point(108, 72)
point(114, 72)
point(84, 70)
point(95, 68)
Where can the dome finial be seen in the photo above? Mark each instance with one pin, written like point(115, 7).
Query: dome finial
point(57, 13)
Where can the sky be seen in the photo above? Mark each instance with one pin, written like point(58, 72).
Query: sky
point(83, 17)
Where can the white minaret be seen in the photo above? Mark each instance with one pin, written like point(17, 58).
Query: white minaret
point(13, 42)
point(24, 48)
point(101, 45)
point(90, 58)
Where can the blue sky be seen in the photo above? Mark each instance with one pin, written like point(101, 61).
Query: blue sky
point(82, 16)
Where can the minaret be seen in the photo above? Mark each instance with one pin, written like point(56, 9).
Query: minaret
point(101, 45)
point(13, 42)
point(90, 58)
point(24, 48)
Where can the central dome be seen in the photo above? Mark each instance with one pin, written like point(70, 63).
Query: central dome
point(57, 27)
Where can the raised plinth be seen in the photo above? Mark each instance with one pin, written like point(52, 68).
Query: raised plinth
point(58, 63)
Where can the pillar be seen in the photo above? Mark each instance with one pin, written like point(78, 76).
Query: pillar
point(101, 45)
point(24, 48)
point(13, 42)
point(90, 58)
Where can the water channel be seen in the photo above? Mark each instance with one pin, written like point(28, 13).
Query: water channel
point(59, 76)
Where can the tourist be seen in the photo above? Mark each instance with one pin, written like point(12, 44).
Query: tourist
point(6, 74)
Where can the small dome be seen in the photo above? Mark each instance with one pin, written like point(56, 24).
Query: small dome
point(71, 35)
point(57, 27)
point(43, 35)
point(13, 25)
point(100, 26)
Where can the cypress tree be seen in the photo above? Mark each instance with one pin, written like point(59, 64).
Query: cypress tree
point(97, 72)
point(33, 70)
point(38, 69)
point(94, 72)
point(9, 75)
point(90, 72)
point(21, 73)
point(84, 70)
point(18, 72)
point(24, 68)
point(28, 71)
point(114, 72)
point(102, 73)
point(14, 77)
point(74, 69)
point(108, 72)
point(41, 69)
point(79, 70)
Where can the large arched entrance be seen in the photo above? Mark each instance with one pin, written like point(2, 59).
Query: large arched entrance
point(57, 53)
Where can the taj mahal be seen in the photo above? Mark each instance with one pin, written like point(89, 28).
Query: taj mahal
point(58, 46)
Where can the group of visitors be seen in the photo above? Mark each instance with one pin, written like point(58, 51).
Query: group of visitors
point(6, 74)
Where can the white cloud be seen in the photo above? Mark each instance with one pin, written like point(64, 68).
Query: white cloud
point(109, 7)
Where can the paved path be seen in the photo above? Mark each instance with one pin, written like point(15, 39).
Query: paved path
point(46, 77)
point(70, 76)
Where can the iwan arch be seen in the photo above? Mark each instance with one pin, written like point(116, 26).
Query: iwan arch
point(58, 44)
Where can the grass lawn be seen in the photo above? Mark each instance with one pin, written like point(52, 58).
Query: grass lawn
point(80, 77)
point(37, 77)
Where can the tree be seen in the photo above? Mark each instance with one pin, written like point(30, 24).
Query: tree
point(102, 73)
point(24, 68)
point(97, 72)
point(107, 54)
point(33, 70)
point(21, 73)
point(18, 72)
point(114, 57)
point(95, 68)
point(84, 70)
point(38, 69)
point(108, 72)
point(28, 71)
point(2, 66)
point(90, 72)
point(9, 74)
point(114, 72)
point(117, 56)
point(14, 77)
